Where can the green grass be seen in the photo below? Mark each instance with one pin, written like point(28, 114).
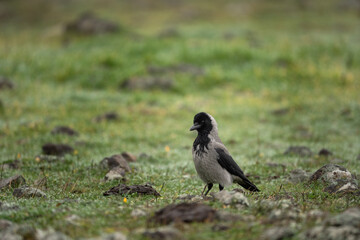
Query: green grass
point(304, 63)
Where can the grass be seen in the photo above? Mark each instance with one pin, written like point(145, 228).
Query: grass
point(269, 61)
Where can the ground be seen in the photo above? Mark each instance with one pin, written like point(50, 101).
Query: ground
point(272, 76)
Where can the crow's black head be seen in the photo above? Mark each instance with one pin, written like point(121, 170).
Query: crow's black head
point(202, 123)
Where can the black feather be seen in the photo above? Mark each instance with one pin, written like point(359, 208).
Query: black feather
point(203, 132)
point(228, 163)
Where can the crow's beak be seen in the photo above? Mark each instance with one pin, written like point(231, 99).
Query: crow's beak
point(195, 126)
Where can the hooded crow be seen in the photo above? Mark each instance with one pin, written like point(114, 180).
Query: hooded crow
point(212, 160)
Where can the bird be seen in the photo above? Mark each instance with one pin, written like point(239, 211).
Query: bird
point(213, 162)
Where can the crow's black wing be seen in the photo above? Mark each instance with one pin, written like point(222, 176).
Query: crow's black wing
point(228, 163)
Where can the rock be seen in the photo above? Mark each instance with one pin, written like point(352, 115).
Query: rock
point(138, 213)
point(285, 215)
point(113, 236)
point(48, 158)
point(181, 68)
point(231, 198)
point(147, 83)
point(184, 212)
point(342, 226)
point(109, 116)
point(265, 205)
point(8, 206)
point(342, 187)
point(64, 130)
point(223, 216)
point(128, 156)
point(28, 192)
point(26, 231)
point(220, 227)
point(331, 233)
point(5, 83)
point(336, 161)
point(125, 190)
point(280, 111)
point(13, 181)
point(301, 151)
point(5, 224)
point(277, 233)
point(324, 152)
point(193, 198)
point(333, 175)
point(163, 233)
point(89, 24)
point(50, 234)
point(350, 217)
point(115, 173)
point(169, 33)
point(115, 161)
point(15, 164)
point(276, 165)
point(57, 149)
point(144, 156)
point(298, 176)
point(316, 215)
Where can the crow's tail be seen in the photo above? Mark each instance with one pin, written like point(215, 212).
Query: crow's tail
point(245, 183)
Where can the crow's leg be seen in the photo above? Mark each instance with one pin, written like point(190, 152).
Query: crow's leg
point(210, 185)
point(202, 193)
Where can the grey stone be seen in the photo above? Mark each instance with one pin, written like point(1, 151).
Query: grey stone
point(109, 116)
point(57, 149)
point(193, 198)
point(163, 233)
point(277, 233)
point(332, 233)
point(89, 24)
point(224, 216)
point(330, 173)
point(50, 234)
point(342, 226)
point(8, 206)
point(115, 173)
point(350, 217)
point(26, 231)
point(115, 161)
point(9, 235)
point(13, 181)
point(298, 176)
point(269, 205)
point(169, 33)
point(138, 213)
point(280, 214)
point(301, 151)
point(316, 214)
point(148, 83)
point(325, 153)
point(64, 130)
point(5, 224)
point(16, 164)
point(129, 157)
point(114, 236)
point(336, 179)
point(342, 186)
point(5, 83)
point(28, 192)
point(220, 227)
point(231, 198)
